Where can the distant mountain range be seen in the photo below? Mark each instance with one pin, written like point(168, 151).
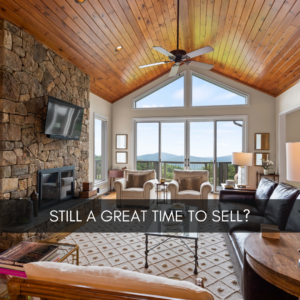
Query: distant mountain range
point(179, 158)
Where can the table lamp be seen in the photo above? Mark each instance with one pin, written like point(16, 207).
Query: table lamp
point(242, 160)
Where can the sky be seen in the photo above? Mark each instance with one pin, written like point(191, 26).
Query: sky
point(204, 93)
point(229, 138)
point(168, 96)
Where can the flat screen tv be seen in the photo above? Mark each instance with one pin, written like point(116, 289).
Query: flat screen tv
point(63, 120)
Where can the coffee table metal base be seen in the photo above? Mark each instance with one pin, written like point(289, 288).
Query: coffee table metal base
point(194, 253)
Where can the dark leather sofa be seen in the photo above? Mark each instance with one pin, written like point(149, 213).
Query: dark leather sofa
point(271, 203)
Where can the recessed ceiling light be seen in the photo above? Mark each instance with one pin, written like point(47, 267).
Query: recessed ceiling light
point(80, 1)
point(119, 48)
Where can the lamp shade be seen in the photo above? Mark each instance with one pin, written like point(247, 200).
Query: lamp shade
point(242, 159)
point(293, 161)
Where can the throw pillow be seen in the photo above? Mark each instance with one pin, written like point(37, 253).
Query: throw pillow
point(137, 180)
point(190, 183)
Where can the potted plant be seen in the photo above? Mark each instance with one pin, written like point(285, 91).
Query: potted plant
point(267, 164)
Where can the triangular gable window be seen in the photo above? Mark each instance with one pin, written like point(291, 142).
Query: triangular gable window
point(208, 92)
point(168, 94)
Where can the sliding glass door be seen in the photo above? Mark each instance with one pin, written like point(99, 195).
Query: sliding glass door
point(191, 144)
point(172, 148)
point(201, 147)
point(229, 138)
point(147, 150)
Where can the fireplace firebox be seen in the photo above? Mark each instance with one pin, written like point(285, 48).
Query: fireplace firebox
point(55, 185)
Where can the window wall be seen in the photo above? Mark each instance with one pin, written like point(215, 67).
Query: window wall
point(190, 144)
point(203, 92)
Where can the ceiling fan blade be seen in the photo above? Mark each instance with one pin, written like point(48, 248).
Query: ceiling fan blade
point(163, 51)
point(201, 65)
point(201, 51)
point(155, 64)
point(174, 70)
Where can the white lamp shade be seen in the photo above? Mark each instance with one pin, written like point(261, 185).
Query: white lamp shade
point(293, 161)
point(242, 159)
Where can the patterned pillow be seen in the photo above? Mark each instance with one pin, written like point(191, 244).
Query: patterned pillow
point(137, 180)
point(190, 183)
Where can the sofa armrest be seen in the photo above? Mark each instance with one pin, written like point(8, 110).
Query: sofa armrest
point(173, 188)
point(150, 184)
point(205, 189)
point(245, 197)
point(120, 185)
point(149, 188)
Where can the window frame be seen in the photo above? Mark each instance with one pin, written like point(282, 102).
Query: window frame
point(221, 85)
point(104, 150)
point(160, 86)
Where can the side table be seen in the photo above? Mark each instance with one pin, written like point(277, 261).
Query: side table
point(271, 267)
point(113, 174)
point(259, 176)
point(247, 188)
point(165, 185)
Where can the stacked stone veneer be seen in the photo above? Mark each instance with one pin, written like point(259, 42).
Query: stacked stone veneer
point(29, 73)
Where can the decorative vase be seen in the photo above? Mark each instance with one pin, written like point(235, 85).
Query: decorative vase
point(266, 172)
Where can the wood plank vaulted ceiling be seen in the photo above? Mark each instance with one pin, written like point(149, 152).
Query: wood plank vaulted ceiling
point(256, 42)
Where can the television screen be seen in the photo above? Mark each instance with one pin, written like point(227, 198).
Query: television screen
point(64, 120)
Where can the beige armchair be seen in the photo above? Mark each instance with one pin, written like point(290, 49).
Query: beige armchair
point(129, 196)
point(190, 195)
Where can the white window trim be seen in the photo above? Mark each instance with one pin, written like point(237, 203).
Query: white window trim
point(221, 85)
point(158, 87)
point(103, 150)
point(187, 119)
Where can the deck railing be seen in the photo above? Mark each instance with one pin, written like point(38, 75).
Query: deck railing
point(98, 173)
point(225, 170)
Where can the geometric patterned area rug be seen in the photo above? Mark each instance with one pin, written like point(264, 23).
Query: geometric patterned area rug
point(171, 259)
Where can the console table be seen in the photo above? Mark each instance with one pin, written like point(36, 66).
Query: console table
point(276, 261)
point(113, 174)
point(259, 176)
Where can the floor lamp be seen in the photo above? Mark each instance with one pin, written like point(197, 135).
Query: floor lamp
point(242, 160)
point(293, 164)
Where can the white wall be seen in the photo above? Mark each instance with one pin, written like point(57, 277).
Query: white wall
point(287, 122)
point(104, 108)
point(261, 115)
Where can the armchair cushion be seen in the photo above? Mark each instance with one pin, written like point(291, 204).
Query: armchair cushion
point(109, 278)
point(133, 193)
point(191, 183)
point(137, 180)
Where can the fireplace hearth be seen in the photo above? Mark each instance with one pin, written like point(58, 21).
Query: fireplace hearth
point(55, 186)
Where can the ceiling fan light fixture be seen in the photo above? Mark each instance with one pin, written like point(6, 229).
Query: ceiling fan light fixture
point(119, 48)
point(80, 1)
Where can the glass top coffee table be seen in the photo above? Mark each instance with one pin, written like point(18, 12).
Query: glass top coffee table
point(185, 230)
point(63, 253)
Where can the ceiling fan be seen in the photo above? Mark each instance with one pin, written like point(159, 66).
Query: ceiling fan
point(180, 56)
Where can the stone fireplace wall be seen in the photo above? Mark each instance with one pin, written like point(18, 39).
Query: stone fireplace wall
point(29, 73)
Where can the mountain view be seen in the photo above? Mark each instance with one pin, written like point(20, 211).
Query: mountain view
point(179, 158)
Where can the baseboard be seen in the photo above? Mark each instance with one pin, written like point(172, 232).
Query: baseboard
point(105, 190)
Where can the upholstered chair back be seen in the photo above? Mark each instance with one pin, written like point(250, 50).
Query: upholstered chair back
point(189, 173)
point(151, 172)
